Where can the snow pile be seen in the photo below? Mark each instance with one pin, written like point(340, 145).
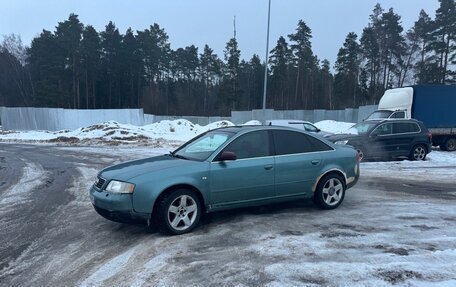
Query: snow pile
point(439, 165)
point(177, 130)
point(253, 123)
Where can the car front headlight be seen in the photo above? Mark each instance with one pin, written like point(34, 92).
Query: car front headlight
point(341, 142)
point(120, 187)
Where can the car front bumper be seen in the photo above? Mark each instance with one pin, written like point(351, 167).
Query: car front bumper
point(116, 207)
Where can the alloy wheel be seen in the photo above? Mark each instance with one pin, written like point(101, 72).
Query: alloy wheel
point(419, 153)
point(182, 212)
point(332, 191)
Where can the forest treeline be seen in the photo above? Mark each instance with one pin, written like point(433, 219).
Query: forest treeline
point(76, 66)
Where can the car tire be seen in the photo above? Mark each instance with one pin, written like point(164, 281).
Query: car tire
point(450, 144)
point(330, 191)
point(179, 212)
point(418, 152)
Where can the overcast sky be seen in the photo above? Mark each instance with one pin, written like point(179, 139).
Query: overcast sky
point(210, 22)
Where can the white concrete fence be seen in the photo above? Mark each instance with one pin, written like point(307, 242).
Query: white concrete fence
point(54, 119)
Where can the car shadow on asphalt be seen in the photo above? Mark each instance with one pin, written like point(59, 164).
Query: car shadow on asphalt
point(221, 217)
point(232, 215)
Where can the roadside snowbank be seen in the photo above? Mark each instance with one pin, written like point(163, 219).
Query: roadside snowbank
point(177, 130)
point(157, 133)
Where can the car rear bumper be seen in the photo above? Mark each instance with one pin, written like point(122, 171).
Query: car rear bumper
point(351, 181)
point(115, 207)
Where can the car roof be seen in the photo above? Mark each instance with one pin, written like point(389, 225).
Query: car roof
point(393, 120)
point(246, 128)
point(288, 121)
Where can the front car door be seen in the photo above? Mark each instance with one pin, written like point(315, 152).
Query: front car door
point(381, 141)
point(248, 178)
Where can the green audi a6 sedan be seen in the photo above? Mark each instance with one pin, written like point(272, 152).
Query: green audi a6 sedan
point(226, 168)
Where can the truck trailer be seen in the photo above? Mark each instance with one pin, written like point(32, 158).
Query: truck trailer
point(434, 105)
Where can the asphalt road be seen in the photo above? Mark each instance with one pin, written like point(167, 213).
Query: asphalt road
point(51, 236)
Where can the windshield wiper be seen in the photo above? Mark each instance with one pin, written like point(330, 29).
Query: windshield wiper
point(177, 155)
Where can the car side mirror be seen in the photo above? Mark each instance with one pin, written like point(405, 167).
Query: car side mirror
point(227, 155)
point(318, 130)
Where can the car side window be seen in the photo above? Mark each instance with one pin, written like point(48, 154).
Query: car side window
point(250, 145)
point(289, 142)
point(398, 115)
point(383, 129)
point(414, 128)
point(402, 128)
point(310, 128)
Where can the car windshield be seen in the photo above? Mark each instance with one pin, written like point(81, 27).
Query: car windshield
point(201, 147)
point(361, 128)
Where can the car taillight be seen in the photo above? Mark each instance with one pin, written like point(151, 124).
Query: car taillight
point(430, 136)
point(358, 156)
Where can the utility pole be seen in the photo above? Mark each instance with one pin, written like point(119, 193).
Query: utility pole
point(266, 59)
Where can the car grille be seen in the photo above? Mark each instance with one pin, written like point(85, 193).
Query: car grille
point(100, 182)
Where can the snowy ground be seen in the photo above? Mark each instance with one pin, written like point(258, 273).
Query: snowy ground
point(396, 227)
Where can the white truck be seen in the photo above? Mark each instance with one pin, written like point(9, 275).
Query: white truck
point(434, 105)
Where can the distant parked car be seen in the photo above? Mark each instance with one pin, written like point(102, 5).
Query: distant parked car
point(222, 169)
point(300, 125)
point(390, 138)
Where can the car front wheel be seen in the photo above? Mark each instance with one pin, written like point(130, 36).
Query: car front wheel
point(330, 191)
point(418, 153)
point(179, 212)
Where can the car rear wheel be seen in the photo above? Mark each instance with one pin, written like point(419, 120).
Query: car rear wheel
point(418, 153)
point(179, 212)
point(330, 191)
point(450, 144)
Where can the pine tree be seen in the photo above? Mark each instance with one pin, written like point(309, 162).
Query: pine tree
point(422, 30)
point(251, 77)
point(305, 64)
point(68, 35)
point(210, 74)
point(111, 41)
point(326, 86)
point(444, 37)
point(133, 69)
point(347, 67)
point(280, 61)
point(90, 62)
point(45, 59)
point(230, 89)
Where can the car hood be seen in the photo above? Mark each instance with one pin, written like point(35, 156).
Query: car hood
point(128, 170)
point(342, 137)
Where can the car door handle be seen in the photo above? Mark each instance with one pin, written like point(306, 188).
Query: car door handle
point(268, 167)
point(315, 161)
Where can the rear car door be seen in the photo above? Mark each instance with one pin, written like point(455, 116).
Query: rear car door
point(404, 134)
point(298, 162)
point(249, 177)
